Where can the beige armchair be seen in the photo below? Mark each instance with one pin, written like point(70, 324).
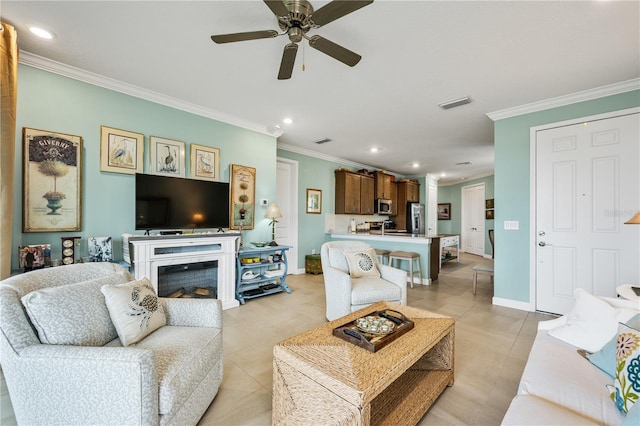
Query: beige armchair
point(346, 293)
point(67, 365)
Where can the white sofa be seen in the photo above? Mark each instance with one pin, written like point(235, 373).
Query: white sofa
point(169, 377)
point(561, 387)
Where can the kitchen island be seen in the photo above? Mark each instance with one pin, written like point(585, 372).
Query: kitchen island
point(392, 241)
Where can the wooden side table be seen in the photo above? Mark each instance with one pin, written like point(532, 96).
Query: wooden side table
point(312, 264)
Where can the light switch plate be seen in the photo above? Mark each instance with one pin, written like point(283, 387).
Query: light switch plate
point(264, 202)
point(511, 224)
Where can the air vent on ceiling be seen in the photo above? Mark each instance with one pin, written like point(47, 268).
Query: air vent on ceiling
point(321, 141)
point(455, 103)
point(464, 163)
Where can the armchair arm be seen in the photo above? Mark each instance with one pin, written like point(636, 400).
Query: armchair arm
point(84, 385)
point(397, 277)
point(337, 287)
point(193, 312)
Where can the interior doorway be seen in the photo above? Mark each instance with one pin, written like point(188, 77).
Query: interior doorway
point(472, 223)
point(287, 226)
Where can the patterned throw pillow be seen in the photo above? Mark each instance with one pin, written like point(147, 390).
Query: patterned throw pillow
point(134, 309)
point(626, 387)
point(362, 263)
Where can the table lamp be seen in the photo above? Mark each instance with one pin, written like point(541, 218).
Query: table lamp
point(635, 220)
point(273, 213)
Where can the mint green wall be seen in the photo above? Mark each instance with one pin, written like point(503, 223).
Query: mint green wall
point(512, 190)
point(317, 174)
point(453, 194)
point(50, 102)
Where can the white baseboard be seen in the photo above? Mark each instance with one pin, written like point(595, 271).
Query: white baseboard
point(514, 304)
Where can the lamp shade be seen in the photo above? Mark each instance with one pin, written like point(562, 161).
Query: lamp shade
point(273, 212)
point(635, 220)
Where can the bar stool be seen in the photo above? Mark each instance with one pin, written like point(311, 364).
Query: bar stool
point(382, 253)
point(410, 256)
point(481, 269)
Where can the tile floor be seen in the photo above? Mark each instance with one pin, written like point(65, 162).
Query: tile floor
point(492, 345)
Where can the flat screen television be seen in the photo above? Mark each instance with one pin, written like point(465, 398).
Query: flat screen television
point(172, 203)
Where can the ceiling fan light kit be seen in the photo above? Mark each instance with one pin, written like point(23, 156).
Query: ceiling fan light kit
point(296, 18)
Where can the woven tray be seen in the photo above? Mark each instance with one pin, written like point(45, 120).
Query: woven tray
point(374, 342)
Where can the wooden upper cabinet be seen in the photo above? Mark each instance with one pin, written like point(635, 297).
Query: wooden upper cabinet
point(413, 191)
point(354, 193)
point(394, 199)
point(366, 194)
point(383, 185)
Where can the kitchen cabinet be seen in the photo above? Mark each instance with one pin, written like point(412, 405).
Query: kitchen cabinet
point(394, 199)
point(406, 191)
point(354, 193)
point(383, 185)
point(260, 272)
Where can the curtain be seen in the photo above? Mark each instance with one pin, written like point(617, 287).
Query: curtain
point(8, 84)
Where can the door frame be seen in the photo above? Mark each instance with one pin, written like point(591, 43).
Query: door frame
point(533, 218)
point(463, 216)
point(293, 252)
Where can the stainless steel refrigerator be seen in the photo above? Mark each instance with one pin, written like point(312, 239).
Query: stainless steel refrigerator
point(415, 218)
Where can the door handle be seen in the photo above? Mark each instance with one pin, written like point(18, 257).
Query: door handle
point(543, 244)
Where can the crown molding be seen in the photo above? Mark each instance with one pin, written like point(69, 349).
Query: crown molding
point(45, 64)
point(586, 95)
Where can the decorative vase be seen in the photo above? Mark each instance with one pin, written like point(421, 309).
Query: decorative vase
point(53, 202)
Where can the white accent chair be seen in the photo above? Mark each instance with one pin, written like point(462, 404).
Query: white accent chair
point(345, 294)
point(169, 377)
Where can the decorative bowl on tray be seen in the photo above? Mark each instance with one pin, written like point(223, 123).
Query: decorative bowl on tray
point(259, 243)
point(375, 325)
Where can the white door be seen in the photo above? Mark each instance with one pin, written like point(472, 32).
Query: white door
point(432, 210)
point(473, 219)
point(287, 226)
point(587, 186)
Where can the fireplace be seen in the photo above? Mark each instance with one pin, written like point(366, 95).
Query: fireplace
point(197, 265)
point(189, 280)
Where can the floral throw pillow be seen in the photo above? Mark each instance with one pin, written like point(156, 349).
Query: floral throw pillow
point(626, 387)
point(134, 309)
point(362, 263)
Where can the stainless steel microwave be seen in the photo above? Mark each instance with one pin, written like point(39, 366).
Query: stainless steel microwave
point(382, 206)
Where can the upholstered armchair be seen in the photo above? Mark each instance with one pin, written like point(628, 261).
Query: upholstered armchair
point(64, 361)
point(353, 279)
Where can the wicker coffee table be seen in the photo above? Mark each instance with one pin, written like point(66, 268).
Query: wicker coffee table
point(320, 379)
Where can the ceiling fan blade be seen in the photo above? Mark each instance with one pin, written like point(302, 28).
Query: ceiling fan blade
point(336, 51)
point(277, 7)
point(251, 35)
point(336, 9)
point(288, 60)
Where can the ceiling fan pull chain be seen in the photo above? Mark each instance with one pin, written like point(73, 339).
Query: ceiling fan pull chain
point(303, 55)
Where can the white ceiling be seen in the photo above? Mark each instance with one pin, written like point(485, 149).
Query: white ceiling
point(416, 54)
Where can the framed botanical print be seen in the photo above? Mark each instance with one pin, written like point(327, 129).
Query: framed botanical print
point(167, 156)
point(205, 162)
point(243, 195)
point(121, 151)
point(52, 166)
point(314, 201)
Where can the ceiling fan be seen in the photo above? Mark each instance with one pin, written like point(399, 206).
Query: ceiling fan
point(296, 18)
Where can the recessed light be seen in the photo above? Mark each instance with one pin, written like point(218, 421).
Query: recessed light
point(42, 33)
point(443, 174)
point(287, 120)
point(415, 165)
point(374, 149)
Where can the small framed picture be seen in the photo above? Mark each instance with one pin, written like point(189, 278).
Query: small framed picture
point(444, 211)
point(488, 204)
point(167, 156)
point(314, 201)
point(121, 151)
point(488, 214)
point(100, 249)
point(205, 162)
point(34, 256)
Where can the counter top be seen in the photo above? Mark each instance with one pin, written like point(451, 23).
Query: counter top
point(376, 236)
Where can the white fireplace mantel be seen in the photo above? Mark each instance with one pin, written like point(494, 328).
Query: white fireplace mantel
point(148, 253)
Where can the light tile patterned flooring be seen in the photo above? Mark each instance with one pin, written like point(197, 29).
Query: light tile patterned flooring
point(492, 345)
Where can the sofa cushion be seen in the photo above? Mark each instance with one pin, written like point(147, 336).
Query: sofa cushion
point(134, 309)
point(74, 314)
point(534, 411)
point(626, 390)
point(338, 260)
point(591, 322)
point(184, 356)
point(368, 290)
point(362, 263)
point(555, 372)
